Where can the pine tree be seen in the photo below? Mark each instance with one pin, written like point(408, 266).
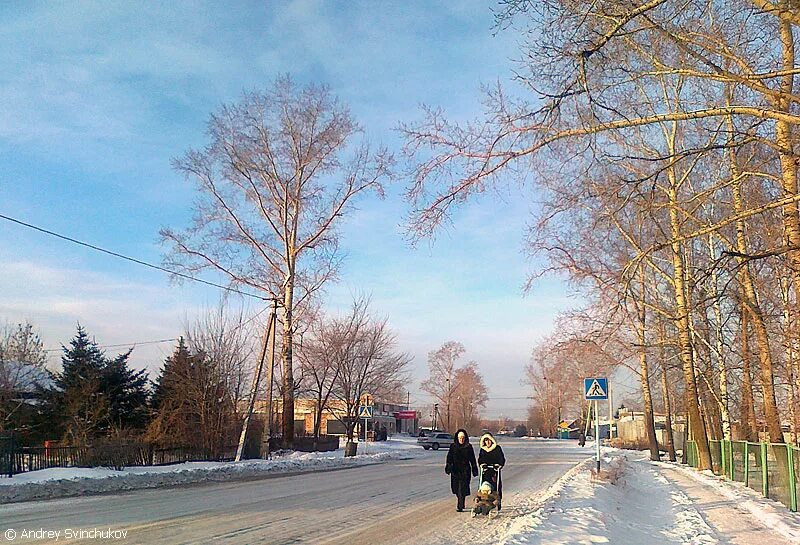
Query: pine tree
point(191, 405)
point(167, 383)
point(76, 405)
point(127, 392)
point(93, 395)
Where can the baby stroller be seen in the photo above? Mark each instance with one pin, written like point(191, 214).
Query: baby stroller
point(489, 495)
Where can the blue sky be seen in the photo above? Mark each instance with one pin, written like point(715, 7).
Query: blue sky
point(98, 97)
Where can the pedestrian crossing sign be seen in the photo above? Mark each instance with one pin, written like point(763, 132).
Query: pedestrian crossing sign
point(365, 411)
point(595, 388)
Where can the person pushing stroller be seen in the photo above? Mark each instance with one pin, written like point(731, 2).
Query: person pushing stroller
point(490, 484)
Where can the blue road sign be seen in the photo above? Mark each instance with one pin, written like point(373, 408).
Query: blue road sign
point(365, 411)
point(595, 388)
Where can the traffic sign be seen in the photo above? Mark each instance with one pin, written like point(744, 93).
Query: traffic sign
point(595, 388)
point(365, 411)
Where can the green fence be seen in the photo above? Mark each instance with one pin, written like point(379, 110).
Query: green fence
point(772, 469)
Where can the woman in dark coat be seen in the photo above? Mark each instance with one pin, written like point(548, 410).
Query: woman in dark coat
point(461, 466)
point(491, 454)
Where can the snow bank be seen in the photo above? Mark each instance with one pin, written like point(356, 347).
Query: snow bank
point(62, 482)
point(772, 514)
point(640, 508)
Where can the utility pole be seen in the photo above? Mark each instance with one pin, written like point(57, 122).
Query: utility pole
point(449, 392)
point(267, 435)
point(269, 337)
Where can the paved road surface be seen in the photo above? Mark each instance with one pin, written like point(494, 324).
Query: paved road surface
point(394, 503)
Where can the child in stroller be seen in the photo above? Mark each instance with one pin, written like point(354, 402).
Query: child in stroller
point(487, 499)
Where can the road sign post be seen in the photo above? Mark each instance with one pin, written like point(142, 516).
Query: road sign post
point(365, 411)
point(597, 435)
point(595, 389)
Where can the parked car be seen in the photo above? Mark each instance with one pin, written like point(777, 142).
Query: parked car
point(427, 432)
point(435, 440)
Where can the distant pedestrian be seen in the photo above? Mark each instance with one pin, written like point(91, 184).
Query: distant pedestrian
point(461, 466)
point(581, 438)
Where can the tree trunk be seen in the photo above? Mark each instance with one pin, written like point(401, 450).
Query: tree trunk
point(790, 355)
point(644, 376)
point(684, 336)
point(318, 417)
point(288, 374)
point(749, 423)
point(719, 344)
point(670, 436)
point(753, 310)
point(791, 217)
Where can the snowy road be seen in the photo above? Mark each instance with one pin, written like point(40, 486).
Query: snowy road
point(394, 503)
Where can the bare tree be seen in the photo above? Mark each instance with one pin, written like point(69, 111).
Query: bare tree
point(371, 365)
point(226, 339)
point(442, 375)
point(580, 347)
point(469, 395)
point(596, 72)
point(330, 344)
point(280, 171)
point(22, 367)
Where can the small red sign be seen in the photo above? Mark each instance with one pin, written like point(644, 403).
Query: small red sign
point(405, 415)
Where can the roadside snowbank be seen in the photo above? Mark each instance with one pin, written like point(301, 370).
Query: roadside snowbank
point(63, 482)
point(637, 506)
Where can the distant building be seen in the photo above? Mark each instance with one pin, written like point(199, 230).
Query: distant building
point(395, 418)
point(19, 381)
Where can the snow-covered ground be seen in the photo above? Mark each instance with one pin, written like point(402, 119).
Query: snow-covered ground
point(642, 502)
point(76, 481)
point(548, 500)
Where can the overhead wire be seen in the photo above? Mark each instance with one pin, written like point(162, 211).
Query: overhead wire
point(133, 259)
point(161, 341)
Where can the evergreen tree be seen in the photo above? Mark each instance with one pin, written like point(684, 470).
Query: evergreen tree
point(167, 383)
point(127, 392)
point(191, 405)
point(75, 406)
point(93, 395)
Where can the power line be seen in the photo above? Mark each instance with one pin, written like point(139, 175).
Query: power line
point(120, 345)
point(160, 341)
point(133, 259)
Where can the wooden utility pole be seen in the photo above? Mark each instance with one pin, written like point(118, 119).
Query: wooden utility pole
point(269, 337)
point(267, 435)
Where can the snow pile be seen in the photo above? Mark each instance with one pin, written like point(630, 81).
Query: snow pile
point(637, 506)
point(73, 481)
point(772, 514)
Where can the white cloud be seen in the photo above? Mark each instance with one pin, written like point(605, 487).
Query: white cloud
point(56, 299)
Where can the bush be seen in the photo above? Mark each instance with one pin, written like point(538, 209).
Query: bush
point(116, 455)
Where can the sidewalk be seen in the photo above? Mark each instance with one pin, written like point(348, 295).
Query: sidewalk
point(645, 503)
point(735, 524)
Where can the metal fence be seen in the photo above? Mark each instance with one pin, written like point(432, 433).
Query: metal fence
point(769, 468)
point(16, 459)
